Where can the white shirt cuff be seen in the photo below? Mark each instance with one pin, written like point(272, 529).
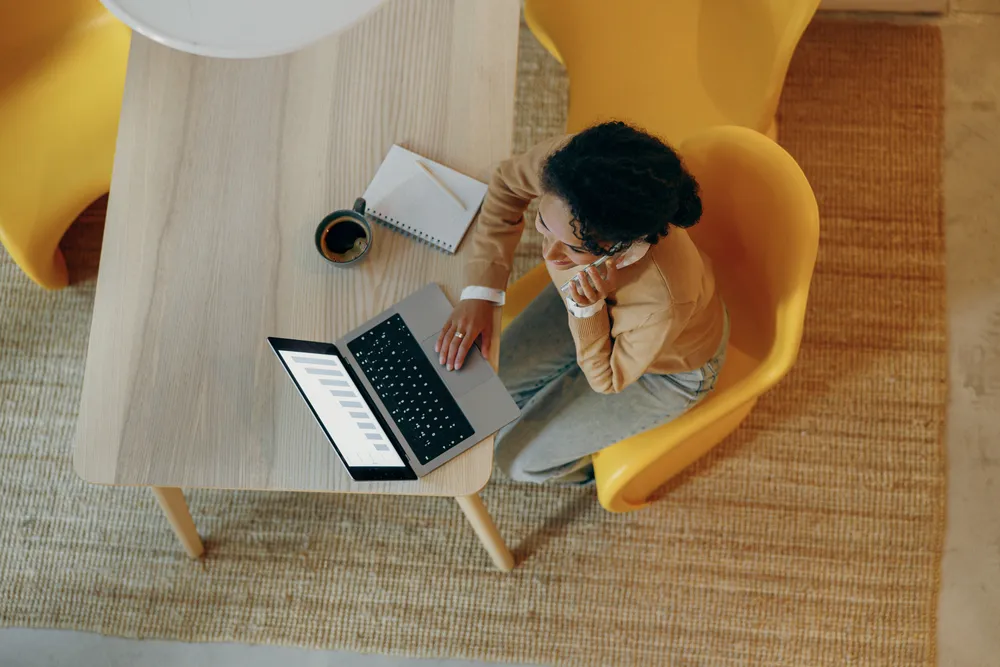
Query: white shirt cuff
point(499, 297)
point(583, 312)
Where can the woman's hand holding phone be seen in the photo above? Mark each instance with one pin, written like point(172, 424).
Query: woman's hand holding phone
point(586, 292)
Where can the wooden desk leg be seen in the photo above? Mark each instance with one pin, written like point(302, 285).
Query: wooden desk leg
point(487, 531)
point(172, 503)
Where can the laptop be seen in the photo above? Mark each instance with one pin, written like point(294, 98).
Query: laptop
point(389, 409)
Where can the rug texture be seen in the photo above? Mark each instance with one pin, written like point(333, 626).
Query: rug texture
point(813, 536)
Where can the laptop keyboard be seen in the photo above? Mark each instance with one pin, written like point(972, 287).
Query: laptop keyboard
point(410, 388)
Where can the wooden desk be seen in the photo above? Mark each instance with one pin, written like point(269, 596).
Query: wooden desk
point(223, 170)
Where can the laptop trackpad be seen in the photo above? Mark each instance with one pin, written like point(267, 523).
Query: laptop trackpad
point(474, 372)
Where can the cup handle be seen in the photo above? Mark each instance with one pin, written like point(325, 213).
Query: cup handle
point(359, 206)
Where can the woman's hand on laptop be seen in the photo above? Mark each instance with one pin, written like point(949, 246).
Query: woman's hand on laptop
point(471, 319)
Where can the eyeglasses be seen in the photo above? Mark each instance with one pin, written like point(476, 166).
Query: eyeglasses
point(613, 250)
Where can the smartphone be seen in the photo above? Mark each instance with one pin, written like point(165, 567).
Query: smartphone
point(625, 256)
point(599, 262)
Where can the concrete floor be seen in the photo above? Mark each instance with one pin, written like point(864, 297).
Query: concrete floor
point(969, 628)
point(58, 648)
point(969, 609)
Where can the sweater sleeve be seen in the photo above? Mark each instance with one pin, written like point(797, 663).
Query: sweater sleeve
point(611, 364)
point(497, 231)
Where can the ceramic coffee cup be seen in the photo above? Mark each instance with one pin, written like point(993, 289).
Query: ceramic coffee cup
point(343, 238)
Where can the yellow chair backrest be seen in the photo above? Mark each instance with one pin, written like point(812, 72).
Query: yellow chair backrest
point(35, 25)
point(760, 228)
point(62, 73)
point(672, 66)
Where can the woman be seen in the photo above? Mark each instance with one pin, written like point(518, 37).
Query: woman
point(627, 350)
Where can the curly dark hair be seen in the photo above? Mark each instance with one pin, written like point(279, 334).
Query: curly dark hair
point(622, 185)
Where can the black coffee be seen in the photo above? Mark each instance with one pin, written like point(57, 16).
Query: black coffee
point(341, 235)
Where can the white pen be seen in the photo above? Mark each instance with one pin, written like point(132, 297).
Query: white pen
point(440, 184)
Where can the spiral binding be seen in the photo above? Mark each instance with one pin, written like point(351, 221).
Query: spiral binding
point(402, 228)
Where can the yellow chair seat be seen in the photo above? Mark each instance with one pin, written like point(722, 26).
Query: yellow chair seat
point(62, 75)
point(760, 228)
point(673, 67)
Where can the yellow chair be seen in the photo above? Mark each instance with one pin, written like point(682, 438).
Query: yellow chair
point(760, 227)
point(672, 66)
point(62, 74)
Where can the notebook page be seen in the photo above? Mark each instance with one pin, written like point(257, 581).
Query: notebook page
point(403, 196)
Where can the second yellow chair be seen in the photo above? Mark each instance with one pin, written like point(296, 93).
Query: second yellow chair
point(760, 228)
point(62, 73)
point(672, 66)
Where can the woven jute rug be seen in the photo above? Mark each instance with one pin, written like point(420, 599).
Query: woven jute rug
point(811, 537)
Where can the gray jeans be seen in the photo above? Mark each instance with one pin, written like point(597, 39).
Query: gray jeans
point(563, 420)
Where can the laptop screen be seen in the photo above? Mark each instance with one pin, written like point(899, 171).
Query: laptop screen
point(342, 409)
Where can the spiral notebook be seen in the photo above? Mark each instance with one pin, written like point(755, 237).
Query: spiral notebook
point(436, 208)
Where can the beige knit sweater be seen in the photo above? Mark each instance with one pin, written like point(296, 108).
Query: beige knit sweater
point(665, 316)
